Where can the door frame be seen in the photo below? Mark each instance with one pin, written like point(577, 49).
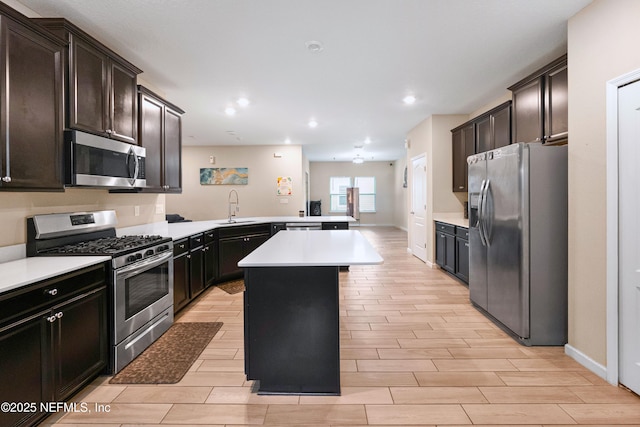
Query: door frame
point(612, 186)
point(410, 216)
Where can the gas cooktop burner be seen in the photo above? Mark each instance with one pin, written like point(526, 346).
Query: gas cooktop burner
point(105, 245)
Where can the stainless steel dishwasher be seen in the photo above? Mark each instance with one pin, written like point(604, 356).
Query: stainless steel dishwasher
point(304, 226)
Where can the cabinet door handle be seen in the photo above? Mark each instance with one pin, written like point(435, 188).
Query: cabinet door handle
point(461, 187)
point(51, 319)
point(189, 256)
point(182, 246)
point(51, 292)
point(59, 315)
point(109, 131)
point(466, 244)
point(6, 179)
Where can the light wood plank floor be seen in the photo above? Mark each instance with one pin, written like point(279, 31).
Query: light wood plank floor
point(414, 352)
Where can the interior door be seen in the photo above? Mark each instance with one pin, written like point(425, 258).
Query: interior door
point(419, 207)
point(629, 235)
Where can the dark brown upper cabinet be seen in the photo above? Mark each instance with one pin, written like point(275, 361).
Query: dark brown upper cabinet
point(463, 141)
point(493, 128)
point(540, 110)
point(161, 135)
point(101, 85)
point(31, 101)
point(487, 131)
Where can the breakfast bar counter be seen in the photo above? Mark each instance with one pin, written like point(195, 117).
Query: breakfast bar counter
point(291, 309)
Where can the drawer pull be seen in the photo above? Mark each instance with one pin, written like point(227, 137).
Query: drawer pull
point(51, 292)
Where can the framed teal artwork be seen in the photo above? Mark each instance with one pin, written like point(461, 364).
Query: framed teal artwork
point(224, 176)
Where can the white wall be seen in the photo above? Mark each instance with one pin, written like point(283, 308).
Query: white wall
point(433, 137)
point(16, 207)
point(258, 198)
point(602, 44)
point(386, 188)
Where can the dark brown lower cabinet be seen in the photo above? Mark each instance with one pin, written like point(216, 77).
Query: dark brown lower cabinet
point(52, 350)
point(235, 243)
point(462, 258)
point(180, 274)
point(196, 272)
point(452, 249)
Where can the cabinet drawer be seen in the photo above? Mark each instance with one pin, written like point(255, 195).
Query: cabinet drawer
point(209, 236)
point(445, 228)
point(49, 292)
point(244, 230)
point(335, 225)
point(180, 246)
point(196, 240)
point(462, 232)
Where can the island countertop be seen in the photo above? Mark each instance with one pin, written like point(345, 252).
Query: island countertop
point(313, 248)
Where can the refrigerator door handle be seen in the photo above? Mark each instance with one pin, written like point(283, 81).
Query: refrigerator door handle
point(487, 222)
point(481, 213)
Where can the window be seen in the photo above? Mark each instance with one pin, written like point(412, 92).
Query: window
point(338, 192)
point(367, 186)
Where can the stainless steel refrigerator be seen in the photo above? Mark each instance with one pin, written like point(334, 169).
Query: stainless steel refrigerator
point(518, 240)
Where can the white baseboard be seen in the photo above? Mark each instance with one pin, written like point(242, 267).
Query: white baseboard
point(586, 361)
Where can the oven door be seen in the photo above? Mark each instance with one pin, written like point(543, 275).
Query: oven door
point(142, 291)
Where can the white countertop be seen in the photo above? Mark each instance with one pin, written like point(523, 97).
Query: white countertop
point(178, 230)
point(26, 271)
point(313, 248)
point(450, 219)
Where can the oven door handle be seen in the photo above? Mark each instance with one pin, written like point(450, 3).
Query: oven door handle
point(146, 264)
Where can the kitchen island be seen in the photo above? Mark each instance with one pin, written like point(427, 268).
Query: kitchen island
point(292, 330)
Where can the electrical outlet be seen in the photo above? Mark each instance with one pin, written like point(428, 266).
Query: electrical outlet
point(212, 160)
point(136, 210)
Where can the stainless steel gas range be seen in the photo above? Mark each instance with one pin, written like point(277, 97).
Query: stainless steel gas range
point(141, 274)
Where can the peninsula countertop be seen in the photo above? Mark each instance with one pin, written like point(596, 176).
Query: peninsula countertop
point(180, 230)
point(313, 248)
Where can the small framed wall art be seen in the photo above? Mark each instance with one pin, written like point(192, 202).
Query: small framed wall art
point(284, 186)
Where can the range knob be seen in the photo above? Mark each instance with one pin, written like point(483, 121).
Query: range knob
point(131, 258)
point(149, 252)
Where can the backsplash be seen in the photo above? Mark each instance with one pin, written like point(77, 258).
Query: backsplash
point(16, 207)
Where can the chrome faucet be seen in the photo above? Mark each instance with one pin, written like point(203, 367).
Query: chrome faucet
point(234, 206)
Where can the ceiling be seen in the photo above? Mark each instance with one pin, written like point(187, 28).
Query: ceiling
point(454, 55)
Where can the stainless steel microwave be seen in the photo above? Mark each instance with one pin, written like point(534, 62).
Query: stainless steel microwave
point(96, 161)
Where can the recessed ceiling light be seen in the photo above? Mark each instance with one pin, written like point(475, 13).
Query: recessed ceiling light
point(287, 141)
point(314, 46)
point(313, 123)
point(230, 111)
point(243, 102)
point(409, 99)
point(367, 140)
